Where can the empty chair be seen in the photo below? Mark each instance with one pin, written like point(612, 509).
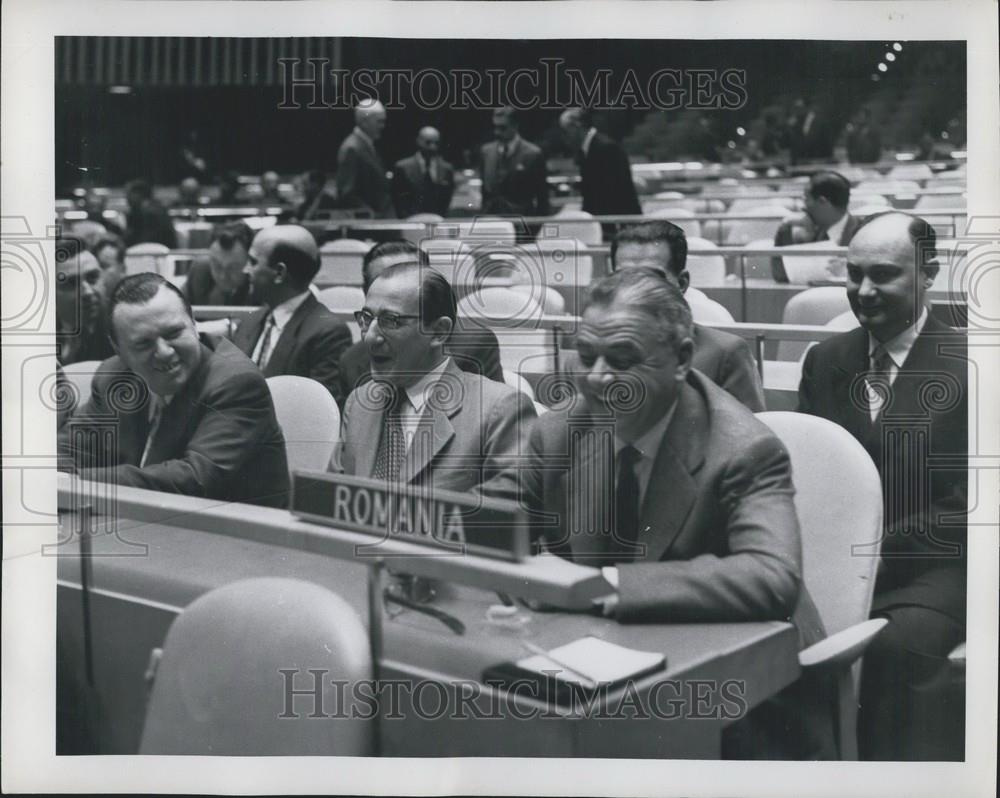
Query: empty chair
point(562, 261)
point(482, 230)
point(948, 198)
point(448, 256)
point(340, 262)
point(838, 498)
point(80, 376)
point(219, 688)
point(741, 205)
point(504, 303)
point(342, 298)
point(705, 310)
point(309, 419)
point(147, 257)
point(815, 306)
point(193, 235)
point(739, 231)
point(887, 187)
point(575, 224)
point(552, 302)
point(704, 267)
point(681, 217)
point(910, 171)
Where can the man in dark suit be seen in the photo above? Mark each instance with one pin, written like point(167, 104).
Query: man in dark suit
point(293, 333)
point(422, 420)
point(361, 180)
point(722, 357)
point(220, 280)
point(147, 220)
point(316, 202)
point(898, 384)
point(826, 218)
point(80, 330)
point(513, 171)
point(476, 351)
point(605, 174)
point(168, 413)
point(424, 182)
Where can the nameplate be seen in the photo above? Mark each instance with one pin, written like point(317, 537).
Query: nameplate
point(453, 523)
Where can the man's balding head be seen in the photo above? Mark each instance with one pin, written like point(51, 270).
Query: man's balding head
point(369, 115)
point(574, 124)
point(429, 141)
point(282, 262)
point(890, 265)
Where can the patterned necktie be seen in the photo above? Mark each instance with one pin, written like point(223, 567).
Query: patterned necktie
point(392, 446)
point(265, 343)
point(627, 502)
point(154, 426)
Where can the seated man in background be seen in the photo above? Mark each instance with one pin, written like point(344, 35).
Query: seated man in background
point(110, 254)
point(188, 195)
point(899, 384)
point(221, 280)
point(293, 333)
point(825, 219)
point(270, 184)
point(316, 200)
point(80, 331)
point(422, 420)
point(476, 351)
point(147, 220)
point(722, 357)
point(184, 418)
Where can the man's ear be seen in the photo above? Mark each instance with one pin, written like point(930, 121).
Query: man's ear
point(928, 273)
point(441, 329)
point(281, 272)
point(683, 280)
point(685, 353)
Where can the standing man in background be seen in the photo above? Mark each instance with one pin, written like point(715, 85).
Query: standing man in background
point(513, 171)
point(424, 182)
point(361, 180)
point(605, 174)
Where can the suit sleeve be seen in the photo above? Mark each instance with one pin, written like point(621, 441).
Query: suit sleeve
point(236, 420)
point(541, 186)
point(757, 578)
point(344, 458)
point(782, 238)
point(807, 386)
point(741, 379)
point(402, 192)
point(506, 428)
point(348, 178)
point(325, 352)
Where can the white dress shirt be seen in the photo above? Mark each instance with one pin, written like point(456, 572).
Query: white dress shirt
point(898, 349)
point(585, 146)
point(412, 411)
point(836, 230)
point(282, 314)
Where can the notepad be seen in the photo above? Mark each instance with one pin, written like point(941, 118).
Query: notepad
point(603, 663)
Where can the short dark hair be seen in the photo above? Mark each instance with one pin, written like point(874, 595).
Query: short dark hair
point(68, 247)
point(140, 187)
point(386, 248)
point(832, 186)
point(138, 289)
point(922, 235)
point(437, 297)
point(582, 116)
point(508, 113)
point(228, 234)
point(110, 241)
point(650, 293)
point(301, 266)
point(658, 231)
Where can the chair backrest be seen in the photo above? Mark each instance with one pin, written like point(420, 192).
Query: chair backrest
point(940, 200)
point(146, 257)
point(704, 267)
point(758, 266)
point(80, 376)
point(563, 261)
point(573, 223)
point(309, 419)
point(340, 261)
point(342, 298)
point(838, 498)
point(777, 203)
point(705, 310)
point(552, 301)
point(500, 302)
point(843, 321)
point(682, 217)
point(860, 201)
point(812, 306)
point(193, 235)
point(484, 230)
point(219, 687)
point(739, 231)
point(910, 171)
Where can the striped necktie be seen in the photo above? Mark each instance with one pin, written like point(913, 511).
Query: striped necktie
point(265, 343)
point(154, 426)
point(392, 446)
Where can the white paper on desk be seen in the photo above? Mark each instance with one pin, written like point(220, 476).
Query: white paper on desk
point(801, 269)
point(601, 661)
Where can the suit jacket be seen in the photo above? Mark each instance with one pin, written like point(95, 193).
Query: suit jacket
point(929, 396)
point(515, 184)
point(607, 179)
point(217, 439)
point(803, 230)
point(86, 344)
point(200, 288)
point(477, 352)
point(475, 425)
point(361, 180)
point(310, 345)
point(726, 360)
point(720, 533)
point(414, 192)
point(150, 223)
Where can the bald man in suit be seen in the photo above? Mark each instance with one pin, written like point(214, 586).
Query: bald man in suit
point(361, 179)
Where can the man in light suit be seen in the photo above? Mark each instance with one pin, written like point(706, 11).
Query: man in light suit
point(361, 180)
point(899, 384)
point(605, 174)
point(168, 413)
point(424, 182)
point(422, 420)
point(722, 357)
point(825, 219)
point(513, 171)
point(293, 333)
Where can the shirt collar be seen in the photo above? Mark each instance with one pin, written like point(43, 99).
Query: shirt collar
point(509, 146)
point(648, 444)
point(417, 393)
point(284, 312)
point(835, 230)
point(898, 348)
point(587, 139)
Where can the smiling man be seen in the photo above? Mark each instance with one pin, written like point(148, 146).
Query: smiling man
point(899, 384)
point(220, 280)
point(167, 413)
point(80, 331)
point(422, 419)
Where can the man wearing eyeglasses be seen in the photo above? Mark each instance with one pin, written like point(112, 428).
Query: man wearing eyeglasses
point(293, 333)
point(422, 420)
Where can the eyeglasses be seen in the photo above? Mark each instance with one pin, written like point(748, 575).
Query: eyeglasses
point(387, 320)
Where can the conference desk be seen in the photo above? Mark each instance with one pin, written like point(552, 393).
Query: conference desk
point(161, 557)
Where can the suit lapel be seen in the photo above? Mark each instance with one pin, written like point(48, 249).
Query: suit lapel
point(249, 331)
point(277, 363)
point(848, 392)
point(177, 417)
point(428, 445)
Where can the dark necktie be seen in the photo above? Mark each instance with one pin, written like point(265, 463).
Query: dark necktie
point(265, 343)
point(878, 377)
point(392, 446)
point(627, 503)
